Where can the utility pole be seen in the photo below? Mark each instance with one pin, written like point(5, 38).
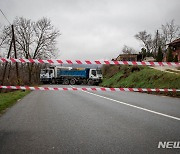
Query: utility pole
point(156, 48)
point(8, 56)
point(15, 53)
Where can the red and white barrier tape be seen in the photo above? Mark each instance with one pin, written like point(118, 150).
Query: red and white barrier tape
point(99, 62)
point(90, 89)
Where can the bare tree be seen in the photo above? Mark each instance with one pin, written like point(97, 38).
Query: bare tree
point(128, 50)
point(45, 39)
point(5, 37)
point(157, 42)
point(35, 40)
point(24, 36)
point(2, 40)
point(170, 31)
point(146, 39)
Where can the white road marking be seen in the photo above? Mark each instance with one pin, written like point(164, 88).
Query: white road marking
point(134, 106)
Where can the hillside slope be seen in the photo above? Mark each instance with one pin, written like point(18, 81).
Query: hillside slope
point(138, 77)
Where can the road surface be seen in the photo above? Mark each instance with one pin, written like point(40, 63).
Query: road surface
point(90, 122)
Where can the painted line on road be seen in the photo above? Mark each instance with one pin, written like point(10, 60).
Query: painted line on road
point(134, 106)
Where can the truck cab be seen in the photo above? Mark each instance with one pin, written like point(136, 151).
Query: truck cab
point(95, 76)
point(46, 75)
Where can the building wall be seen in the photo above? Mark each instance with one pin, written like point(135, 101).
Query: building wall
point(176, 49)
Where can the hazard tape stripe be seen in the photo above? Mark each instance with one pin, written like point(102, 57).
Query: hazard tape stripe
point(99, 62)
point(89, 89)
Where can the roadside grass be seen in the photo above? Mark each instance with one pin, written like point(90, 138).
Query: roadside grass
point(140, 77)
point(174, 71)
point(9, 98)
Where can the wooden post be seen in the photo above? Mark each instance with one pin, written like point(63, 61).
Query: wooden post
point(8, 56)
point(15, 53)
point(156, 47)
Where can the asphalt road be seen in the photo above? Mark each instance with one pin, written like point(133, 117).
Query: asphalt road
point(90, 122)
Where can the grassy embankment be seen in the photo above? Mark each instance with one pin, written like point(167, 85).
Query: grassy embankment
point(139, 77)
point(9, 98)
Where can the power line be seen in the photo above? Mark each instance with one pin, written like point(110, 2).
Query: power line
point(5, 17)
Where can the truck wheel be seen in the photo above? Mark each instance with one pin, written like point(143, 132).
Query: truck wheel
point(96, 84)
point(53, 81)
point(72, 81)
point(66, 81)
point(90, 82)
point(84, 81)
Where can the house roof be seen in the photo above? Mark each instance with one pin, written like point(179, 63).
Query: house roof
point(134, 54)
point(175, 42)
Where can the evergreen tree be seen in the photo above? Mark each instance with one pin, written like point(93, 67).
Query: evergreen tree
point(176, 58)
point(170, 55)
point(159, 57)
point(149, 54)
point(143, 52)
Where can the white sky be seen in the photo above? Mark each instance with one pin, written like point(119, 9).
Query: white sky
point(95, 29)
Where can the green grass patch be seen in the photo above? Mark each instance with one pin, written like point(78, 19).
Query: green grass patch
point(9, 98)
point(139, 77)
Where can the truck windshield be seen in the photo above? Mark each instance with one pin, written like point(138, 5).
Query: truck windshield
point(43, 71)
point(99, 72)
point(94, 72)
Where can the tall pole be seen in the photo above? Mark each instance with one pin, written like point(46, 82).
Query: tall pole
point(15, 53)
point(157, 37)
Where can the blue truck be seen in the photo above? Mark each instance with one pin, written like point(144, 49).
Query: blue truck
point(67, 75)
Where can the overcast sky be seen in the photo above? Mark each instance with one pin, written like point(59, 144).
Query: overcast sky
point(95, 29)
